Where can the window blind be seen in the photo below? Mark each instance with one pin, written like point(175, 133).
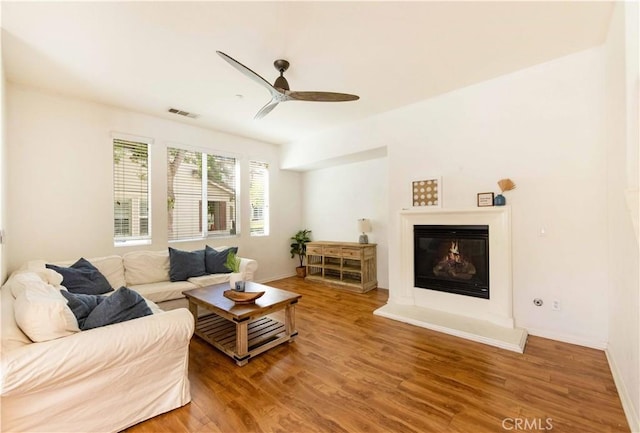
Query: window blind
point(131, 190)
point(184, 194)
point(259, 198)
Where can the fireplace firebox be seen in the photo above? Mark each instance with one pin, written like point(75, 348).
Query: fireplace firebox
point(452, 258)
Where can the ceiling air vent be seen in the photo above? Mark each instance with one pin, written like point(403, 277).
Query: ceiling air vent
point(183, 113)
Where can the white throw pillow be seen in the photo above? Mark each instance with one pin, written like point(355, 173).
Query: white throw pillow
point(42, 312)
point(20, 280)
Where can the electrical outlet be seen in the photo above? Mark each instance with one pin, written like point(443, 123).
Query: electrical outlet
point(555, 305)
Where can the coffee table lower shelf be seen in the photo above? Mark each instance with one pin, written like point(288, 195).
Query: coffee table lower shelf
point(262, 334)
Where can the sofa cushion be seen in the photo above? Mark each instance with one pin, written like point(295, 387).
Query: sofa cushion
point(42, 314)
point(144, 267)
point(12, 335)
point(112, 268)
point(163, 291)
point(215, 260)
point(123, 305)
point(208, 280)
point(185, 264)
point(82, 277)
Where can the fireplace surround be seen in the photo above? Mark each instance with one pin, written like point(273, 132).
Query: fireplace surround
point(488, 320)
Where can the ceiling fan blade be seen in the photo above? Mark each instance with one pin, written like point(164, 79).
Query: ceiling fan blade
point(322, 96)
point(248, 72)
point(266, 109)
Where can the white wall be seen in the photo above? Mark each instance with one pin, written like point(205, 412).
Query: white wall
point(542, 127)
point(60, 199)
point(3, 166)
point(623, 76)
point(335, 198)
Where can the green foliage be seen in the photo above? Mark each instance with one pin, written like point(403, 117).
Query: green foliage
point(137, 153)
point(299, 246)
point(233, 262)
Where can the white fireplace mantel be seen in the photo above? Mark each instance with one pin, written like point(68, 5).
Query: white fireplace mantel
point(490, 320)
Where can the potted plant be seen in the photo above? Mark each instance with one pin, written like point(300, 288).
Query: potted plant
point(236, 280)
point(299, 247)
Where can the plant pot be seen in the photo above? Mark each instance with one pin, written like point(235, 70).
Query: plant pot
point(234, 279)
point(301, 271)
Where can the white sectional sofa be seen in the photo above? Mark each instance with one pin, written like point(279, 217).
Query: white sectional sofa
point(107, 378)
point(147, 272)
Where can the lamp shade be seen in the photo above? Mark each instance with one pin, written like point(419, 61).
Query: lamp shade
point(364, 225)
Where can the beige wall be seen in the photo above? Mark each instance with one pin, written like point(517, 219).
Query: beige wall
point(59, 205)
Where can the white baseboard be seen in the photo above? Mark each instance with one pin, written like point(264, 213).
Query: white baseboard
point(627, 404)
point(566, 338)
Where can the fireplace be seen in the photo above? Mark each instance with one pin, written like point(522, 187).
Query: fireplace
point(452, 259)
point(479, 317)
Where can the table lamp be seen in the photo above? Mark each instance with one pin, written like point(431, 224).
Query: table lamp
point(364, 226)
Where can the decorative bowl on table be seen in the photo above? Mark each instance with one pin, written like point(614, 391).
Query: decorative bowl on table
point(242, 297)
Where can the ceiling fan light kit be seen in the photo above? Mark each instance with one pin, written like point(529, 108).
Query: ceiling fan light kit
point(280, 91)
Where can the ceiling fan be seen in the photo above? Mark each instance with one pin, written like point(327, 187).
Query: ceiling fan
point(280, 90)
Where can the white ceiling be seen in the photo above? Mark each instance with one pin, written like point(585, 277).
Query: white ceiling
point(150, 56)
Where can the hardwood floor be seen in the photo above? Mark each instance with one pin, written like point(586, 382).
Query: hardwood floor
point(351, 371)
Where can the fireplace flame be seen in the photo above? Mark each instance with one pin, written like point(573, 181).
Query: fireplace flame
point(454, 248)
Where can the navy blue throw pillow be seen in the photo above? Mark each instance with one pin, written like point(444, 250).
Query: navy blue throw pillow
point(124, 304)
point(186, 264)
point(215, 260)
point(83, 277)
point(82, 305)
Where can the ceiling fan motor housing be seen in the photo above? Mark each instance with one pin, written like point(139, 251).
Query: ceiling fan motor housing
point(281, 83)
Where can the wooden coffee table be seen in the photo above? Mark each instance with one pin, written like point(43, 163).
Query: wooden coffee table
point(243, 331)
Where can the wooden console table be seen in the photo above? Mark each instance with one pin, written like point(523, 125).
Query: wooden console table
point(348, 265)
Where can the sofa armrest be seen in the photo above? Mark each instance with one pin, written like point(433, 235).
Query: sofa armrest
point(51, 364)
point(248, 267)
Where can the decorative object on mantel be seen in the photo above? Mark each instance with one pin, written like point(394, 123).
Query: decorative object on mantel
point(485, 199)
point(505, 185)
point(427, 192)
point(242, 297)
point(364, 226)
point(299, 247)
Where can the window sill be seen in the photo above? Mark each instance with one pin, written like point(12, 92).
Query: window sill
point(132, 243)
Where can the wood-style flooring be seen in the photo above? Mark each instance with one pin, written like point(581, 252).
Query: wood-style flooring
point(351, 371)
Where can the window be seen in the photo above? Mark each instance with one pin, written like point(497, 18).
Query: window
point(200, 184)
point(130, 191)
point(259, 197)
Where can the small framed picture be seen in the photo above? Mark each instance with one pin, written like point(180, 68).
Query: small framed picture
point(485, 199)
point(427, 192)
